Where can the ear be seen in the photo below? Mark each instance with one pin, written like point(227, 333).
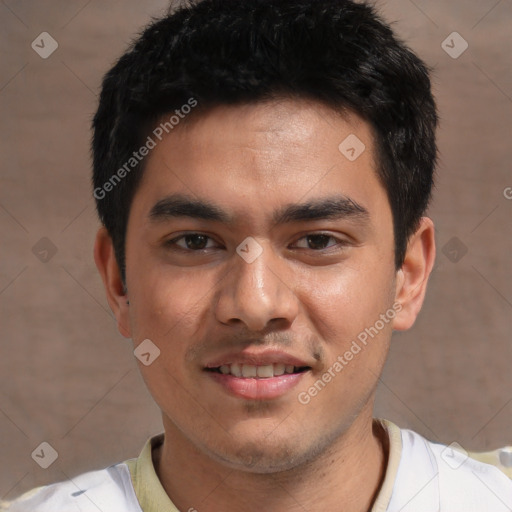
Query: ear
point(105, 259)
point(412, 278)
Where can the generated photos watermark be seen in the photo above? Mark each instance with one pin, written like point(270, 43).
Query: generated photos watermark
point(152, 140)
point(356, 347)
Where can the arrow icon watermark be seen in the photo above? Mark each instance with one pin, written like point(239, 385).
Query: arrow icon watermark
point(249, 249)
point(45, 455)
point(352, 147)
point(146, 352)
point(44, 45)
point(454, 45)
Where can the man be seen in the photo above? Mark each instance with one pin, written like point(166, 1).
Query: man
point(261, 170)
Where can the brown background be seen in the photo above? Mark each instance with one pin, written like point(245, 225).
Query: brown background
point(67, 377)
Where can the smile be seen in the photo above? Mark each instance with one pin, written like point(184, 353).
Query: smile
point(257, 382)
point(249, 371)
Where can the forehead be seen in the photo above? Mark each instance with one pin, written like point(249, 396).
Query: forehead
point(253, 156)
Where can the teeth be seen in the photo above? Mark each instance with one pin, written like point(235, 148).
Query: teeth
point(251, 371)
point(265, 371)
point(248, 370)
point(236, 370)
point(278, 369)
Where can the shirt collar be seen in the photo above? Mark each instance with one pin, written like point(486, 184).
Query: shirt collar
point(152, 496)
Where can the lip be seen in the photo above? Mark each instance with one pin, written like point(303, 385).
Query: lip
point(260, 358)
point(257, 389)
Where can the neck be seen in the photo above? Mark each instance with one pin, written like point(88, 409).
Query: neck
point(350, 473)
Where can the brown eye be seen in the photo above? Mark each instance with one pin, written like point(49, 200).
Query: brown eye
point(192, 242)
point(317, 242)
point(196, 241)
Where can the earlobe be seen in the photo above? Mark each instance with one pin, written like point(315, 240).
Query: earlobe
point(104, 256)
point(412, 277)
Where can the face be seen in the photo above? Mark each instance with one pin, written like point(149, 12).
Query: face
point(258, 256)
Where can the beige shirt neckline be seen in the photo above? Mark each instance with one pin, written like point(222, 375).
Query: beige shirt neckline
point(153, 498)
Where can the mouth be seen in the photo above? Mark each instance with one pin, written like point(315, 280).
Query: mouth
point(261, 382)
point(249, 371)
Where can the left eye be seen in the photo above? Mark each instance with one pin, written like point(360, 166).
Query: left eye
point(317, 242)
point(194, 242)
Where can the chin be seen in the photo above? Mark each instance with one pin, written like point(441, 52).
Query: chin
point(255, 459)
point(263, 456)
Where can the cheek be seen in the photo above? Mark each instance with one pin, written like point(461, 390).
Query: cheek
point(169, 310)
point(168, 304)
point(342, 302)
point(345, 307)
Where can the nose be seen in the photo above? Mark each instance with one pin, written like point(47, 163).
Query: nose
point(257, 293)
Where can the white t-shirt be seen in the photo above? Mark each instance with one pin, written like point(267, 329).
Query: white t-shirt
point(421, 476)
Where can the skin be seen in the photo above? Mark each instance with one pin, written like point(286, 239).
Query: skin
point(308, 297)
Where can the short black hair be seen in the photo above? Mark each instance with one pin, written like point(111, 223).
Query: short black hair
point(228, 52)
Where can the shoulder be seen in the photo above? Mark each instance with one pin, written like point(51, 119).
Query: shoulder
point(432, 474)
point(107, 489)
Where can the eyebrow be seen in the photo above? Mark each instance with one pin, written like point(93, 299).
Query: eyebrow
point(334, 207)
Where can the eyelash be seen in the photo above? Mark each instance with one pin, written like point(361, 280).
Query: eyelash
point(340, 243)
